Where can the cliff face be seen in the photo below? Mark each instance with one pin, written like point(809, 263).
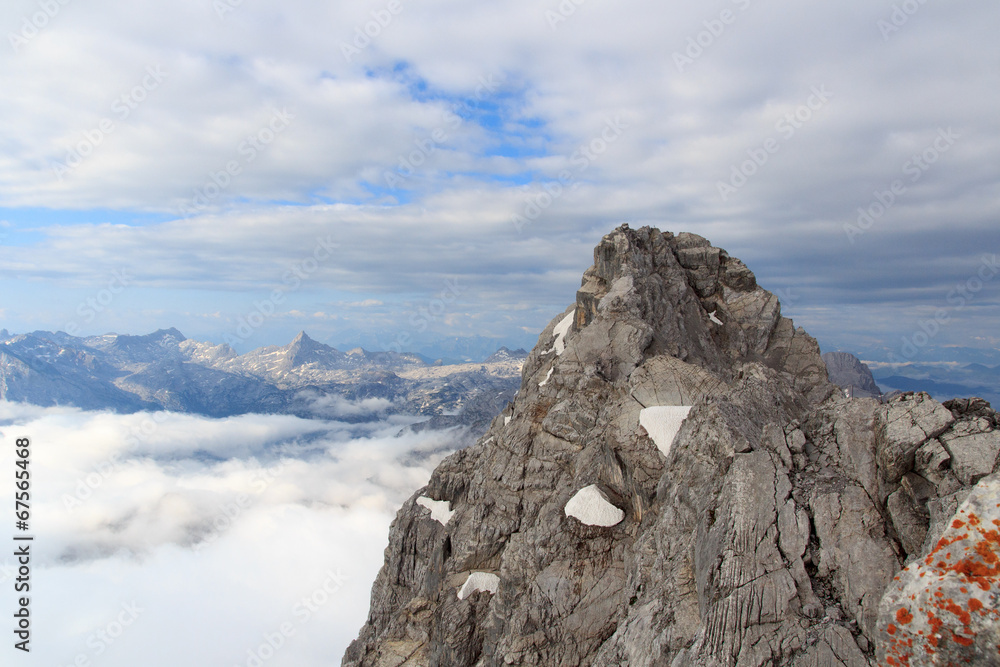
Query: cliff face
point(676, 483)
point(851, 374)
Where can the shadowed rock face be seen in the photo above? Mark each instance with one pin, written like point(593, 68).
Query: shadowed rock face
point(766, 536)
point(851, 374)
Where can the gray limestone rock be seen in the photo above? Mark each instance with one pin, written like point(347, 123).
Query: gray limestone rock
point(910, 421)
point(973, 456)
point(944, 609)
point(851, 374)
point(910, 519)
point(767, 535)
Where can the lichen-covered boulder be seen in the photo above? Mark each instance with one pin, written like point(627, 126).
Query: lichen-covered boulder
point(944, 609)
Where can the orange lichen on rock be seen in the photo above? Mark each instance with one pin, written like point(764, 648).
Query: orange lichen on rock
point(962, 615)
point(964, 641)
point(951, 596)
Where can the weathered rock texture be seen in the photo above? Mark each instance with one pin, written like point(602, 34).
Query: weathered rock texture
point(767, 536)
point(944, 609)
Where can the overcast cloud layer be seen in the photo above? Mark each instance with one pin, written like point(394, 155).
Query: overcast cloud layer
point(164, 539)
point(450, 171)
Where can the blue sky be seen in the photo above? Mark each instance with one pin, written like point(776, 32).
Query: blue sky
point(225, 158)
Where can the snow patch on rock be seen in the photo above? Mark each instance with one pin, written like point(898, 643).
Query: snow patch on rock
point(662, 423)
point(590, 506)
point(440, 509)
point(560, 331)
point(714, 319)
point(479, 582)
point(506, 420)
point(547, 376)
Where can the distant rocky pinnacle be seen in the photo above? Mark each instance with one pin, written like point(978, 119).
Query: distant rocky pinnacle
point(677, 483)
point(851, 374)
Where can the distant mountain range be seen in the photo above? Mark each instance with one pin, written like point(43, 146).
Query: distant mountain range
point(447, 350)
point(941, 380)
point(165, 370)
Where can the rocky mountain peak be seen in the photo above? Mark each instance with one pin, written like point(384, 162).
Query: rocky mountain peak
point(303, 344)
point(676, 483)
point(851, 374)
point(302, 338)
point(161, 344)
point(651, 294)
point(506, 354)
point(171, 333)
point(303, 351)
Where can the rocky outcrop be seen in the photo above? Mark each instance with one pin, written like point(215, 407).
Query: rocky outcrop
point(766, 535)
point(944, 609)
point(851, 374)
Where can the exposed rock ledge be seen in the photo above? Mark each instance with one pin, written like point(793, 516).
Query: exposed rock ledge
point(766, 536)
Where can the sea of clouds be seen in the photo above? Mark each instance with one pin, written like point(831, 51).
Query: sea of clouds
point(164, 539)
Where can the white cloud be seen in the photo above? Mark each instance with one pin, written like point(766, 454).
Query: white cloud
point(217, 529)
point(335, 406)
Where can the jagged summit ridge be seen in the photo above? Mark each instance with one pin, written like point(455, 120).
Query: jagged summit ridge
point(679, 297)
point(766, 535)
